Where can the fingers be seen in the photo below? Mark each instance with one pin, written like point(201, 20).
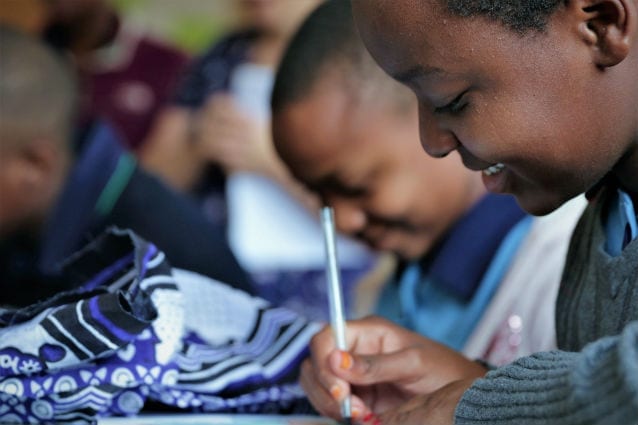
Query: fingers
point(373, 369)
point(225, 136)
point(220, 116)
point(333, 369)
point(220, 106)
point(325, 401)
point(325, 387)
point(320, 398)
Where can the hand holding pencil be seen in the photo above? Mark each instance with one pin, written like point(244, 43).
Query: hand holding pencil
point(335, 295)
point(375, 373)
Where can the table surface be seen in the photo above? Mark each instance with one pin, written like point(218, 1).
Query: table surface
point(216, 419)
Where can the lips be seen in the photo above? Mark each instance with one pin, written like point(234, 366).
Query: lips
point(475, 164)
point(494, 174)
point(471, 162)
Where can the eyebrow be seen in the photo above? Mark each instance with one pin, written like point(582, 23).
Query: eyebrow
point(418, 71)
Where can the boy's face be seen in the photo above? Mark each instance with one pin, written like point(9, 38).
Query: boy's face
point(536, 103)
point(30, 181)
point(16, 196)
point(364, 160)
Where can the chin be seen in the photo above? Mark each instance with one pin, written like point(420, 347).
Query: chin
point(540, 204)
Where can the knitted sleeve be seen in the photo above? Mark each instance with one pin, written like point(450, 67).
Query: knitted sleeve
point(598, 385)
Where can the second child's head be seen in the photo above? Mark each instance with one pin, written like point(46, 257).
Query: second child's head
point(540, 95)
point(350, 133)
point(37, 110)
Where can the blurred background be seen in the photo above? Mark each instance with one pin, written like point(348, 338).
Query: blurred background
point(188, 24)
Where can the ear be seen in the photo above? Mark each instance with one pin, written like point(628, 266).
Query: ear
point(609, 27)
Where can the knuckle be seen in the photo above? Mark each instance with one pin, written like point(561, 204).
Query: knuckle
point(415, 356)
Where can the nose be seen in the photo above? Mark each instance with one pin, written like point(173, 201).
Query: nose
point(350, 219)
point(437, 141)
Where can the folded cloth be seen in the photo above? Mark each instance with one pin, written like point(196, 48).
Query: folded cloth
point(134, 331)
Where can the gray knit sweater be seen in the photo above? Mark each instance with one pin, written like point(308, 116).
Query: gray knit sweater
point(594, 379)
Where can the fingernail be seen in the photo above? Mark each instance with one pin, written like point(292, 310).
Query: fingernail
point(346, 361)
point(356, 413)
point(372, 419)
point(335, 392)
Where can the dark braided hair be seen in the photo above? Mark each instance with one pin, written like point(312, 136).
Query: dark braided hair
point(519, 15)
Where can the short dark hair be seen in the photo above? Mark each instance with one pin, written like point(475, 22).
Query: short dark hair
point(328, 43)
point(519, 15)
point(310, 49)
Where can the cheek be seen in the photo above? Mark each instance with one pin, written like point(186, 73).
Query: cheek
point(10, 209)
point(532, 133)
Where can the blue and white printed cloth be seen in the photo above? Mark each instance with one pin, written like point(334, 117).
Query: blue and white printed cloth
point(134, 331)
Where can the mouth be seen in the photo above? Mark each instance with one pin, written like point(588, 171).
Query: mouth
point(493, 169)
point(474, 163)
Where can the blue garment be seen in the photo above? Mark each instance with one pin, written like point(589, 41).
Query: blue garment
point(621, 226)
point(211, 72)
point(444, 296)
point(106, 187)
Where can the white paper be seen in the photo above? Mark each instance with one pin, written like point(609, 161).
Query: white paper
point(211, 419)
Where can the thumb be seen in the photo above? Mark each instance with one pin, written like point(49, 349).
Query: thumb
point(377, 368)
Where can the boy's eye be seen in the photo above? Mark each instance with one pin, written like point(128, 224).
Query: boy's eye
point(454, 107)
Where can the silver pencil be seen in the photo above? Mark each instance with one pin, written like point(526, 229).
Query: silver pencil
point(335, 295)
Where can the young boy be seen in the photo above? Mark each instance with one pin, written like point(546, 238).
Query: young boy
point(53, 201)
point(128, 330)
point(542, 98)
point(461, 251)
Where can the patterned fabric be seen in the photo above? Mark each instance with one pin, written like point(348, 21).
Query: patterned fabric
point(135, 331)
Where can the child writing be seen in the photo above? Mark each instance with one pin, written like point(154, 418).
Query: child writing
point(541, 97)
point(464, 256)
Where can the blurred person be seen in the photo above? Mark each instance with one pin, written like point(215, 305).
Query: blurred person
point(475, 272)
point(117, 329)
point(208, 122)
point(60, 186)
point(127, 77)
point(215, 143)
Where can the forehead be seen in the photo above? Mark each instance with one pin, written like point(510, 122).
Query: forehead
point(398, 29)
point(328, 132)
point(408, 37)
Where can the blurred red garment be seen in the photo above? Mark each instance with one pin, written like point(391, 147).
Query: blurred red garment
point(129, 81)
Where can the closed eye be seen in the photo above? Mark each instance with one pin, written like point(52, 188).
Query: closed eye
point(454, 107)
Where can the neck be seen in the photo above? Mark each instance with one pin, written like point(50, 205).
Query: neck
point(626, 171)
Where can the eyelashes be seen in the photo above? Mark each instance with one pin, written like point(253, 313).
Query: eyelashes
point(454, 107)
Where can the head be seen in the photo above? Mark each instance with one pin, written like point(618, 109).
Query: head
point(546, 89)
point(279, 17)
point(81, 26)
point(37, 110)
point(350, 133)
